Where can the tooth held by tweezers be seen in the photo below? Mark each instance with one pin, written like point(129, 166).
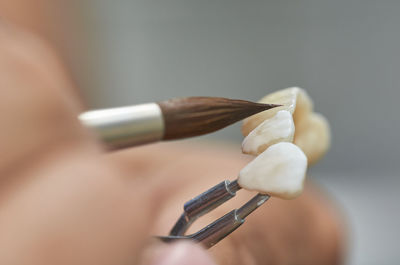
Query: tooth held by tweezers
point(278, 171)
point(279, 128)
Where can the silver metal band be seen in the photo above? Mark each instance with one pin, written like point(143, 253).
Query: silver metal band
point(126, 126)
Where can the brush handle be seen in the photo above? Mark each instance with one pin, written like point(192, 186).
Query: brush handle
point(126, 126)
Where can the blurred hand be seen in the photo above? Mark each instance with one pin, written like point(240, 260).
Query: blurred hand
point(63, 200)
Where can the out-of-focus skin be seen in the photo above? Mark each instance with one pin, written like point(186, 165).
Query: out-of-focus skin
point(64, 200)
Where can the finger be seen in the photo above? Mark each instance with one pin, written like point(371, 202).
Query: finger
point(75, 209)
point(182, 253)
point(37, 109)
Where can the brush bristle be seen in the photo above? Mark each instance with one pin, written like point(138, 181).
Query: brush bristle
point(187, 117)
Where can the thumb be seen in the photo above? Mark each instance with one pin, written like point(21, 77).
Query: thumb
point(181, 253)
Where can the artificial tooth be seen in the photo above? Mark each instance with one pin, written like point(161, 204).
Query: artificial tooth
point(278, 171)
point(313, 136)
point(279, 128)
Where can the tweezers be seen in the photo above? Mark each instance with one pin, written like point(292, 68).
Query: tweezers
point(206, 202)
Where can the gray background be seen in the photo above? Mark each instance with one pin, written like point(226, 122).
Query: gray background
point(345, 53)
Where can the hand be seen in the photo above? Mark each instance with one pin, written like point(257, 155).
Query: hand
point(306, 230)
point(63, 200)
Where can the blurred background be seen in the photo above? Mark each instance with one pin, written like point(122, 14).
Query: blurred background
point(345, 53)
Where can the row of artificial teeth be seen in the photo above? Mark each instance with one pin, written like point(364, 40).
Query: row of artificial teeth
point(280, 168)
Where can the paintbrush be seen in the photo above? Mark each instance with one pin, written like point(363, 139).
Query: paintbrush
point(167, 120)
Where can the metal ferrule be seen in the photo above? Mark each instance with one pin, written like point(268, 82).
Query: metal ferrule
point(126, 126)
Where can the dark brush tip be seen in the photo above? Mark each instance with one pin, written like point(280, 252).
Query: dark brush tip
point(270, 106)
point(187, 117)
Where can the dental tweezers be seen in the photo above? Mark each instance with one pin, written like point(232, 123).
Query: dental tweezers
point(206, 202)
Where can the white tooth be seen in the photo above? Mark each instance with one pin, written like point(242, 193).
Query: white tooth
point(313, 136)
point(279, 128)
point(294, 99)
point(278, 171)
point(304, 106)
